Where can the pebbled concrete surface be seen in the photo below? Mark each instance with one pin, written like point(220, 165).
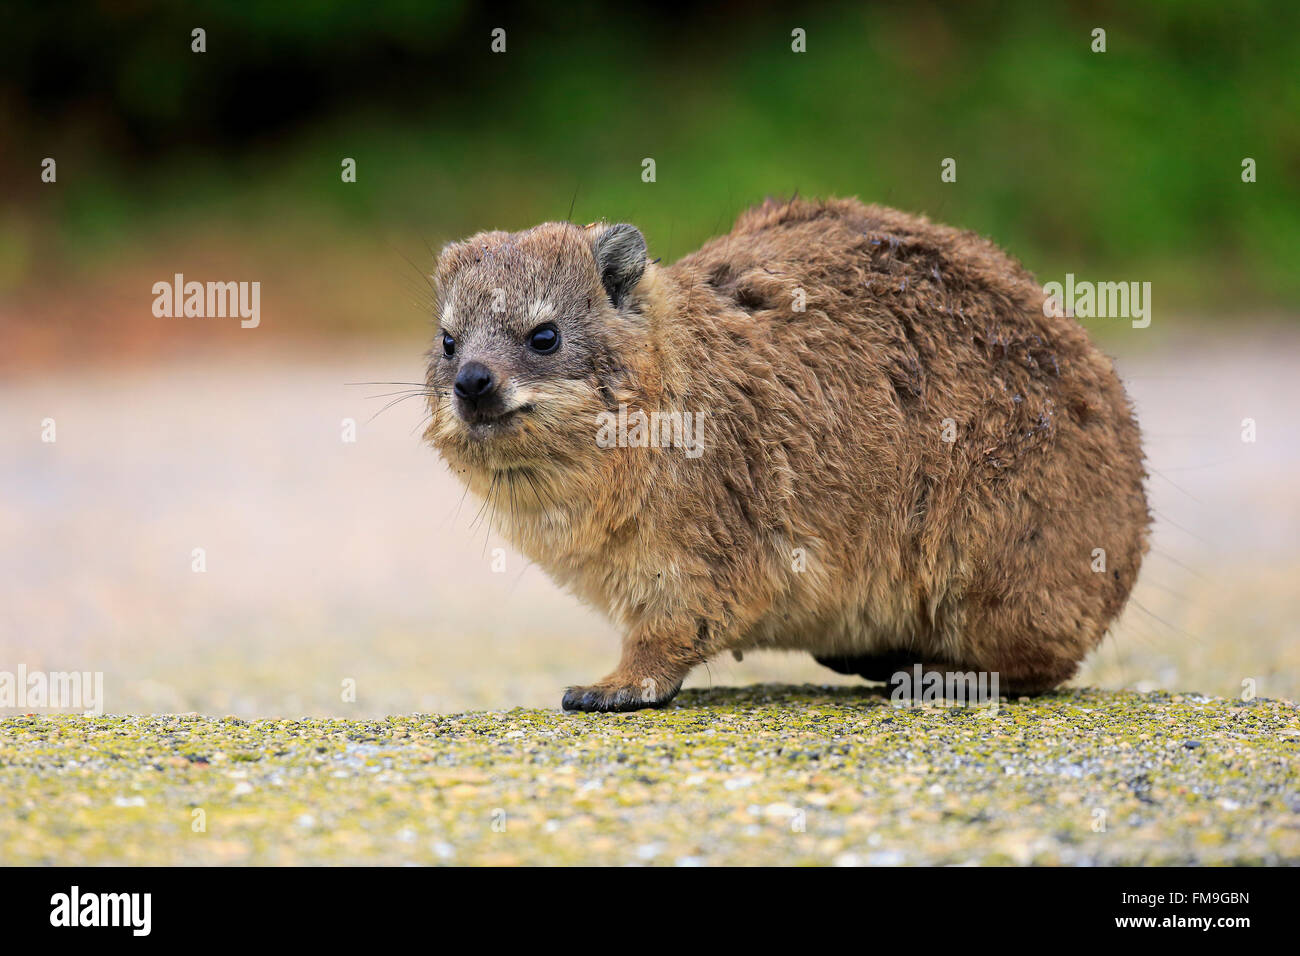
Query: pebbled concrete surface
point(763, 774)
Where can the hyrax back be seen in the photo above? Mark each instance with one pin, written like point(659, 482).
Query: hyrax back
point(903, 458)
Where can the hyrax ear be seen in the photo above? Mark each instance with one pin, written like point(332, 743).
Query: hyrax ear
point(620, 259)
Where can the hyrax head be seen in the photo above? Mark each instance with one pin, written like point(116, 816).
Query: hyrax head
point(534, 330)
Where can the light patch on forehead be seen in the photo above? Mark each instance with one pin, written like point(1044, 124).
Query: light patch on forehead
point(539, 310)
point(448, 314)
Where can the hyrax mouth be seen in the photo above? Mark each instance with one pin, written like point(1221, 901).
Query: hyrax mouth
point(485, 422)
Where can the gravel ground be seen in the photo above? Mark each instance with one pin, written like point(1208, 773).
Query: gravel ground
point(764, 774)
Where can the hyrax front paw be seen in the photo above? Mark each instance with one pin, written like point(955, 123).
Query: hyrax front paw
point(608, 698)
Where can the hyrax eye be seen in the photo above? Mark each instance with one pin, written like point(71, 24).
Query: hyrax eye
point(448, 345)
point(544, 339)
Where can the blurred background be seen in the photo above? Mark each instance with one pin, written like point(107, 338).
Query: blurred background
point(330, 560)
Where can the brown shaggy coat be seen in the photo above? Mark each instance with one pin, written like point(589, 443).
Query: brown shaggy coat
point(904, 459)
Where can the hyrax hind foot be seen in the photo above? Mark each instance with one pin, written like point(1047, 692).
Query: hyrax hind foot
point(1020, 679)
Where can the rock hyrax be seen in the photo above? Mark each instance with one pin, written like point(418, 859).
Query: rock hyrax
point(839, 428)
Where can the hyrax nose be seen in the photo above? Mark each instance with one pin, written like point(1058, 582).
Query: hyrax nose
point(474, 382)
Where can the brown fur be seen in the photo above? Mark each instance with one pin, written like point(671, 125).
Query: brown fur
point(823, 433)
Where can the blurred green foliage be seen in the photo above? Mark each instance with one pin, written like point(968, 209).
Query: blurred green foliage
point(1117, 165)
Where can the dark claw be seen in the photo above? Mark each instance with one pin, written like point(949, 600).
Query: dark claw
point(611, 699)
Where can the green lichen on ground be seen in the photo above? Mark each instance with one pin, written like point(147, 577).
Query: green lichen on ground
point(764, 774)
